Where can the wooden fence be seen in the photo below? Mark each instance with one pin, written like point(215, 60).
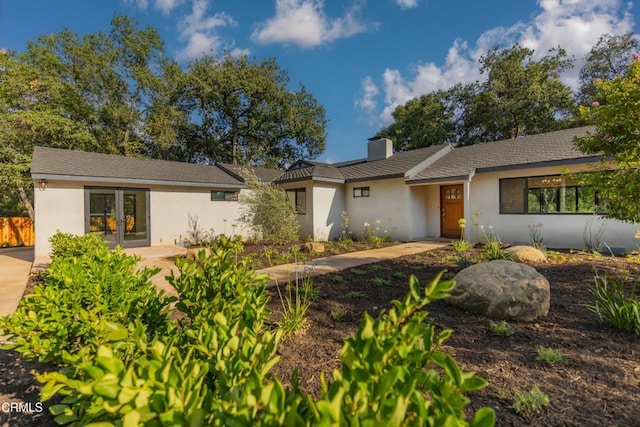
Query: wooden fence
point(16, 231)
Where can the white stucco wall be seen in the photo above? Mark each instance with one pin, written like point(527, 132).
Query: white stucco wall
point(560, 230)
point(388, 203)
point(327, 206)
point(171, 207)
point(59, 207)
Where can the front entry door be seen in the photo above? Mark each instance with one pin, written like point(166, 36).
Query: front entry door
point(119, 215)
point(452, 210)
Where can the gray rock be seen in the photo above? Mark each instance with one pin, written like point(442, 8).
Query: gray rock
point(526, 254)
point(502, 290)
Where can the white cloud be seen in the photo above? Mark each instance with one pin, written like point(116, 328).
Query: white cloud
point(201, 31)
point(574, 25)
point(407, 4)
point(368, 100)
point(304, 23)
point(165, 6)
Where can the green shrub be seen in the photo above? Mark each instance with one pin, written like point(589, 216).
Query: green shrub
point(530, 402)
point(393, 371)
point(336, 278)
point(338, 314)
point(550, 356)
point(461, 245)
point(501, 329)
point(216, 369)
point(258, 208)
point(356, 294)
point(83, 301)
point(492, 250)
point(380, 281)
point(358, 271)
point(65, 245)
point(615, 306)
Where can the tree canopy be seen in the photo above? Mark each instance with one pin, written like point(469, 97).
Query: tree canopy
point(520, 96)
point(248, 115)
point(617, 119)
point(608, 59)
point(120, 93)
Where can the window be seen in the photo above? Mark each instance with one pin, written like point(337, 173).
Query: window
point(298, 199)
point(361, 192)
point(224, 196)
point(453, 193)
point(551, 194)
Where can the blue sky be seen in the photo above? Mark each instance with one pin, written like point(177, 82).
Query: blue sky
point(359, 58)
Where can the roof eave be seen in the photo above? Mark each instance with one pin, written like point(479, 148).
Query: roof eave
point(376, 178)
point(439, 180)
point(136, 181)
point(550, 163)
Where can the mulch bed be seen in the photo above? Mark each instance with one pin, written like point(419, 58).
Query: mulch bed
point(598, 386)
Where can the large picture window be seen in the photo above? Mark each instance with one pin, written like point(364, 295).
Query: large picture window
point(552, 194)
point(298, 199)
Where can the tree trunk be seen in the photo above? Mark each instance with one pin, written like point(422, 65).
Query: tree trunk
point(26, 202)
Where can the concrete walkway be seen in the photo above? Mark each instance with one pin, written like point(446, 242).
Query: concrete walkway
point(17, 263)
point(331, 264)
point(15, 266)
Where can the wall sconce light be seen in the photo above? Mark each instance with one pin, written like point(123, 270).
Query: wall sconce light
point(42, 184)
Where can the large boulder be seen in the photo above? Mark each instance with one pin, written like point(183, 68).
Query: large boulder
point(526, 254)
point(502, 290)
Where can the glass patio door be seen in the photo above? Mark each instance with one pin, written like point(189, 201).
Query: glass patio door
point(119, 215)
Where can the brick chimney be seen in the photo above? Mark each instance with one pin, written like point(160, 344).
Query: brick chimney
point(379, 148)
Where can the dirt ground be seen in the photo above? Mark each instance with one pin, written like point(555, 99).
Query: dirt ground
point(599, 385)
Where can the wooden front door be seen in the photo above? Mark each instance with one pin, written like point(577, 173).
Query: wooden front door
point(451, 210)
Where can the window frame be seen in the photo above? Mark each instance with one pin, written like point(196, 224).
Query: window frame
point(361, 191)
point(300, 210)
point(227, 195)
point(527, 191)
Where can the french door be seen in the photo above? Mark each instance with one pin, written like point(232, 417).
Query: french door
point(119, 215)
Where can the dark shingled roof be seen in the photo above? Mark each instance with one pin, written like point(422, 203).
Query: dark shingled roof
point(264, 174)
point(305, 169)
point(395, 166)
point(69, 163)
point(546, 147)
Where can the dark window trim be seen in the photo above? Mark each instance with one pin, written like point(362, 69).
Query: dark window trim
point(300, 210)
point(525, 195)
point(227, 196)
point(361, 191)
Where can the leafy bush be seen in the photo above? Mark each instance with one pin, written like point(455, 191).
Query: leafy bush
point(614, 305)
point(88, 293)
point(215, 370)
point(530, 402)
point(393, 371)
point(268, 211)
point(501, 329)
point(550, 356)
point(493, 250)
point(461, 245)
point(65, 245)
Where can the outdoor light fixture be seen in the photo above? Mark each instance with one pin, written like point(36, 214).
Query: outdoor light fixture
point(42, 184)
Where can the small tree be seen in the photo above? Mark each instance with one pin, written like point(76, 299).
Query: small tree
point(268, 211)
point(616, 114)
